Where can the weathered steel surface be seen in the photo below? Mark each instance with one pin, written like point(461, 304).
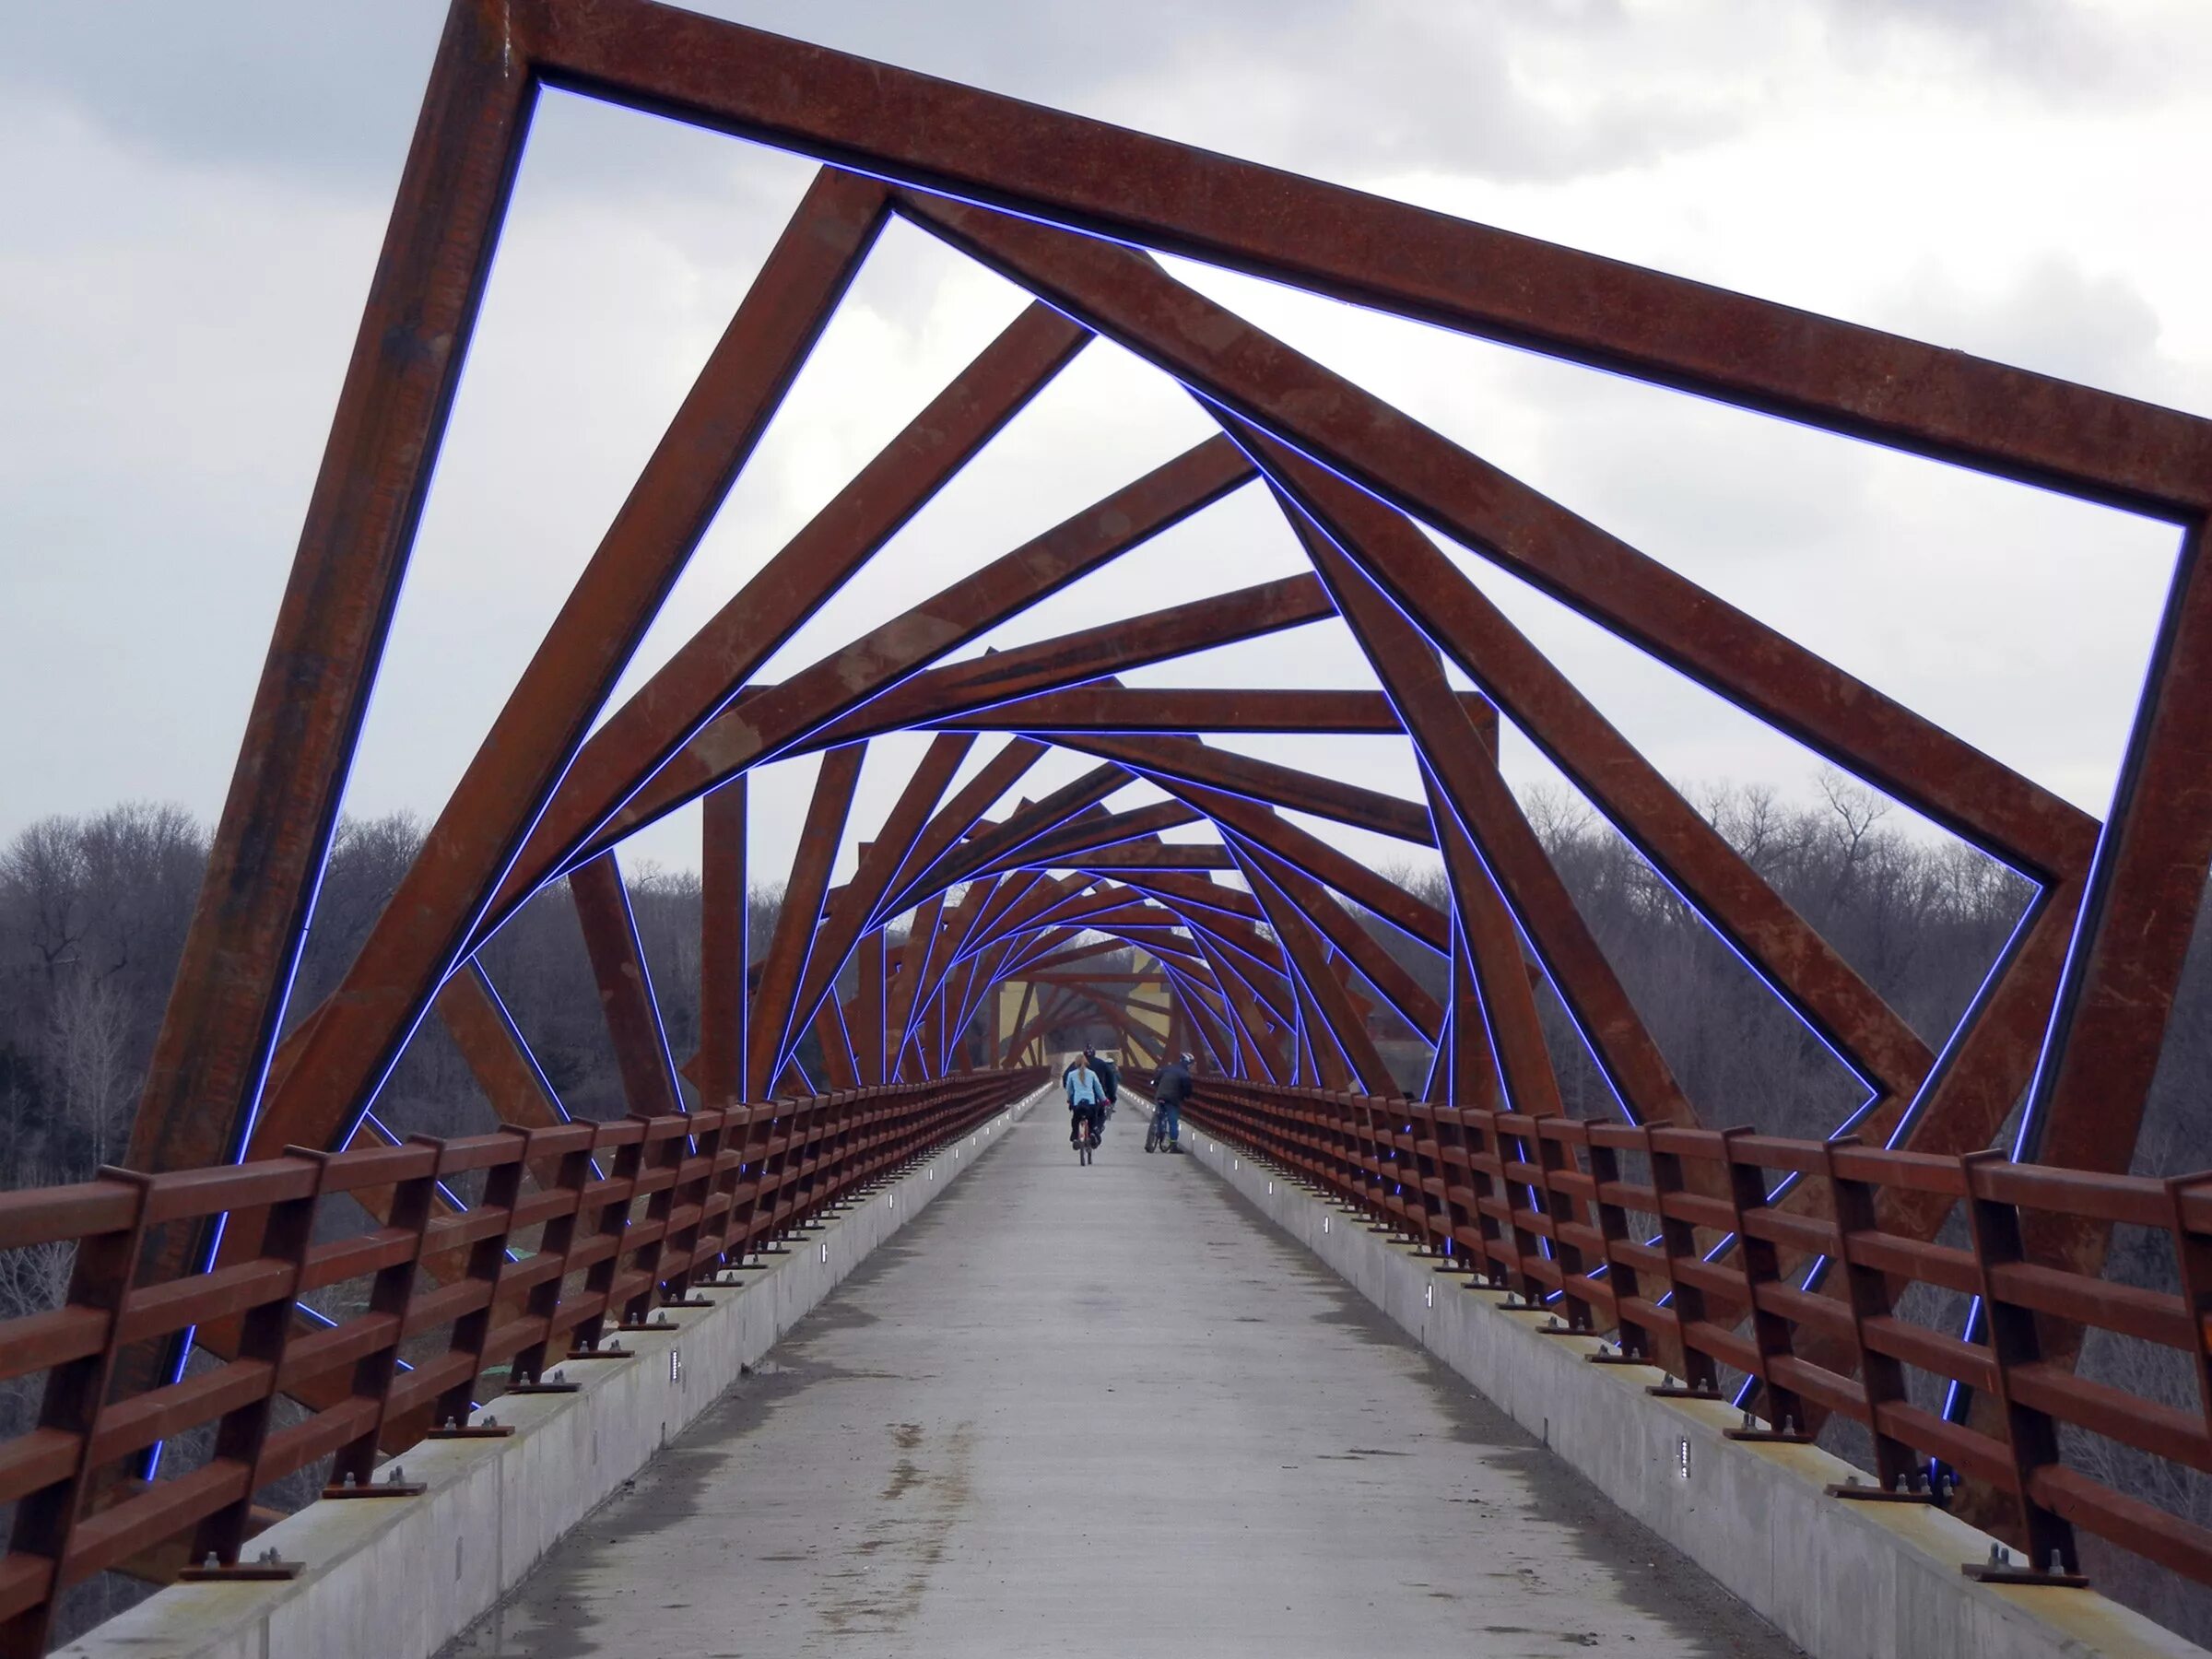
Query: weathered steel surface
point(1367, 249)
point(720, 659)
point(1268, 968)
point(853, 905)
point(798, 922)
point(753, 730)
point(346, 1055)
point(625, 982)
point(1679, 842)
point(270, 844)
point(1128, 298)
point(1075, 659)
point(724, 950)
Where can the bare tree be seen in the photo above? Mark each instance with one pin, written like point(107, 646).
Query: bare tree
point(88, 1037)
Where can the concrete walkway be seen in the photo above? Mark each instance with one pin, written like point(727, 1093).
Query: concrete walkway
point(1107, 1411)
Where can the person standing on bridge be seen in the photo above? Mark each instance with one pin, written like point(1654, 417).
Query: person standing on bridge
point(1170, 1089)
point(1086, 1100)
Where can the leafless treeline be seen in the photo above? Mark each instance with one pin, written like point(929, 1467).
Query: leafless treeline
point(93, 913)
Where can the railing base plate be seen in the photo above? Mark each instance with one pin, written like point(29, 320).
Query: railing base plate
point(1870, 1494)
point(1984, 1574)
point(242, 1572)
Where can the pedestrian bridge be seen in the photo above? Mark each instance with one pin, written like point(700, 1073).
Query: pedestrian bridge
point(892, 1372)
point(1464, 1328)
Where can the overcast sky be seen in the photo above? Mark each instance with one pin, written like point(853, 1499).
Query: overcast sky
point(193, 199)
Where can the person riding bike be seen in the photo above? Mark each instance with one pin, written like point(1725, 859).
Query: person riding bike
point(1108, 1074)
point(1170, 1089)
point(1086, 1102)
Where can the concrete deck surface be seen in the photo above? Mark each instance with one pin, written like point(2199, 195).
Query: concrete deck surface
point(1107, 1411)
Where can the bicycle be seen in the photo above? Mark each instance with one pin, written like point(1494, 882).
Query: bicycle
point(1156, 1133)
point(1087, 1138)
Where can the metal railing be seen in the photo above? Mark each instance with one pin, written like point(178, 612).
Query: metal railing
point(576, 1227)
point(1696, 1252)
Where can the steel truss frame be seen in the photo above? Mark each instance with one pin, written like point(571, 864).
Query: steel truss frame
point(1275, 974)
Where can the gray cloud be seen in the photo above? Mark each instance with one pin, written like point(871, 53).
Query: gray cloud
point(330, 91)
point(267, 86)
point(2054, 48)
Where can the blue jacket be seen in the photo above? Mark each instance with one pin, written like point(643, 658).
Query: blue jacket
point(1082, 1086)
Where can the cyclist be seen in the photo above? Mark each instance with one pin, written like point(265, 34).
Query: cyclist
point(1108, 1074)
point(1086, 1102)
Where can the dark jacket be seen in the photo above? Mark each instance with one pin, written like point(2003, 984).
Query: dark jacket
point(1173, 1086)
point(1108, 1079)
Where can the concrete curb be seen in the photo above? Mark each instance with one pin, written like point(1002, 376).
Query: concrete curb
point(1843, 1579)
point(400, 1578)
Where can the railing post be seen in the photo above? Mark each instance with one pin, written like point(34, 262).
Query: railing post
point(487, 1262)
point(664, 1156)
point(1493, 1195)
point(1555, 1157)
point(1761, 1266)
point(613, 1206)
point(2192, 1265)
point(1463, 1225)
point(2030, 1437)
point(560, 1236)
point(263, 1332)
point(1897, 1471)
point(46, 1520)
point(692, 1192)
point(1678, 1243)
point(1637, 1346)
point(414, 1201)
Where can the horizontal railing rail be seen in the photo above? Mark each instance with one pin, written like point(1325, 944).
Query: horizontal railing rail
point(579, 1228)
point(1684, 1247)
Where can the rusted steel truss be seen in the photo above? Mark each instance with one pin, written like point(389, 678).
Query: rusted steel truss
point(961, 939)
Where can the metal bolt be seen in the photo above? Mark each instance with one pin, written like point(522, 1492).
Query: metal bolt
point(349, 1483)
point(211, 1564)
point(450, 1423)
point(398, 1475)
point(1997, 1558)
point(1749, 1421)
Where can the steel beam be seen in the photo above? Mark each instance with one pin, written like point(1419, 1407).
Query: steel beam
point(625, 982)
point(1131, 187)
point(228, 1002)
point(756, 729)
point(798, 922)
point(346, 1055)
point(1235, 366)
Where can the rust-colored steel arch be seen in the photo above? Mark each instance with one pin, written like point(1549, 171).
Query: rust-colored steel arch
point(1164, 891)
